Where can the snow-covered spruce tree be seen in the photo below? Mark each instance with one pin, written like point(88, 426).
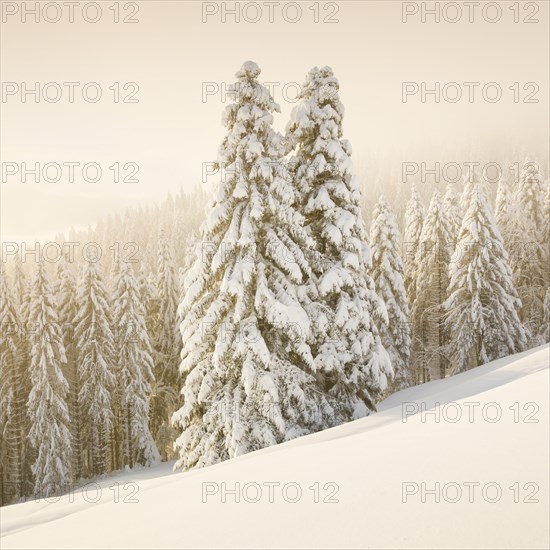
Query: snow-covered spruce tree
point(134, 370)
point(67, 309)
point(451, 202)
point(166, 340)
point(529, 262)
point(188, 259)
point(118, 439)
point(414, 221)
point(502, 204)
point(94, 342)
point(509, 221)
point(471, 179)
point(21, 291)
point(163, 397)
point(482, 308)
point(22, 299)
point(249, 374)
point(387, 273)
point(532, 194)
point(114, 459)
point(546, 228)
point(47, 406)
point(167, 433)
point(432, 279)
point(504, 212)
point(13, 421)
point(544, 333)
point(351, 363)
point(147, 295)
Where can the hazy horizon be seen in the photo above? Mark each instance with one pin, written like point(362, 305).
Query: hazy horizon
point(173, 130)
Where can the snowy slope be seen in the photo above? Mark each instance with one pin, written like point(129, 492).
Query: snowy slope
point(364, 463)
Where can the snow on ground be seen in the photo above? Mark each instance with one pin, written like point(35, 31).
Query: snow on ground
point(372, 483)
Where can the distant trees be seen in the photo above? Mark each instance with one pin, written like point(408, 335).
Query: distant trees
point(387, 273)
point(432, 259)
point(13, 414)
point(134, 373)
point(414, 221)
point(67, 310)
point(483, 305)
point(95, 339)
point(166, 341)
point(453, 209)
point(47, 404)
point(530, 262)
point(96, 368)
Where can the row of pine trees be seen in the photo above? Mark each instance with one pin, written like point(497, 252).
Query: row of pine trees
point(292, 318)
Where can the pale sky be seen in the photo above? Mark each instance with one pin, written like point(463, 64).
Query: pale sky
point(171, 131)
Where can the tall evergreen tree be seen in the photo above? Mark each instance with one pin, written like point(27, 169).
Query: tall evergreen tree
point(166, 339)
point(21, 291)
point(387, 272)
point(432, 258)
point(414, 221)
point(453, 209)
point(117, 433)
point(13, 420)
point(544, 332)
point(482, 309)
point(351, 363)
point(529, 264)
point(22, 300)
point(471, 179)
point(135, 370)
point(67, 310)
point(249, 374)
point(147, 295)
point(502, 204)
point(47, 407)
point(508, 218)
point(94, 340)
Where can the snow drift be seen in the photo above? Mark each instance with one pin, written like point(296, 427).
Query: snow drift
point(455, 463)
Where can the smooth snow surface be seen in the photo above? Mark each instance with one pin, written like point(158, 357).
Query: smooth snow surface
point(367, 461)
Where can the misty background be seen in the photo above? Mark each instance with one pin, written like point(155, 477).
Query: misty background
point(174, 128)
